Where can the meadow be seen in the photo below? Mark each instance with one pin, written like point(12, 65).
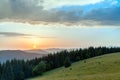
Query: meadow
point(105, 67)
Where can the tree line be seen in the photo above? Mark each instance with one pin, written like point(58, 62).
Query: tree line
point(20, 69)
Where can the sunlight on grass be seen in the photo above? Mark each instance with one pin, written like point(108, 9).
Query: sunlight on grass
point(106, 67)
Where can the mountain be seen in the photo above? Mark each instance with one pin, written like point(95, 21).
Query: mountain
point(18, 54)
point(26, 54)
point(38, 51)
point(45, 51)
point(105, 67)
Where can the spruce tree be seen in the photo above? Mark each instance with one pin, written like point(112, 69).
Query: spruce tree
point(67, 62)
point(0, 70)
point(7, 73)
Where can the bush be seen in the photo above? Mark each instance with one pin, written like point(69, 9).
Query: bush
point(39, 69)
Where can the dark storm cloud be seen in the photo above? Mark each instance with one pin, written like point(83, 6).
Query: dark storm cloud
point(30, 11)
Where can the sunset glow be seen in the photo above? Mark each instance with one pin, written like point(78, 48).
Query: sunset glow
point(27, 24)
point(34, 46)
point(35, 42)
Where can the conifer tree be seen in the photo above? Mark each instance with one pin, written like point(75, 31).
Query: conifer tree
point(67, 62)
point(7, 73)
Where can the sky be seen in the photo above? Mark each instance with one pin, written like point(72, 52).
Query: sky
point(41, 24)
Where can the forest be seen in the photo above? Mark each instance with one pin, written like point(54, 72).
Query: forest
point(21, 69)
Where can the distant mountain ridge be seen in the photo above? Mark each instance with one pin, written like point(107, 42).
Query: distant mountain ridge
point(26, 54)
point(49, 50)
point(18, 54)
point(38, 51)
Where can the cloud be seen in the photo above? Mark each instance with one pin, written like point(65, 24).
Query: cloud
point(40, 11)
point(48, 4)
point(12, 34)
point(106, 16)
point(15, 34)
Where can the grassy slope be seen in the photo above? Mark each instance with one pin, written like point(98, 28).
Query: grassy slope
point(106, 67)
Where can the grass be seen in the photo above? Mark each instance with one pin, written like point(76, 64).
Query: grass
point(106, 67)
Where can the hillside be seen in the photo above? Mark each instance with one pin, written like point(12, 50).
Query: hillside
point(25, 54)
point(18, 54)
point(106, 67)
